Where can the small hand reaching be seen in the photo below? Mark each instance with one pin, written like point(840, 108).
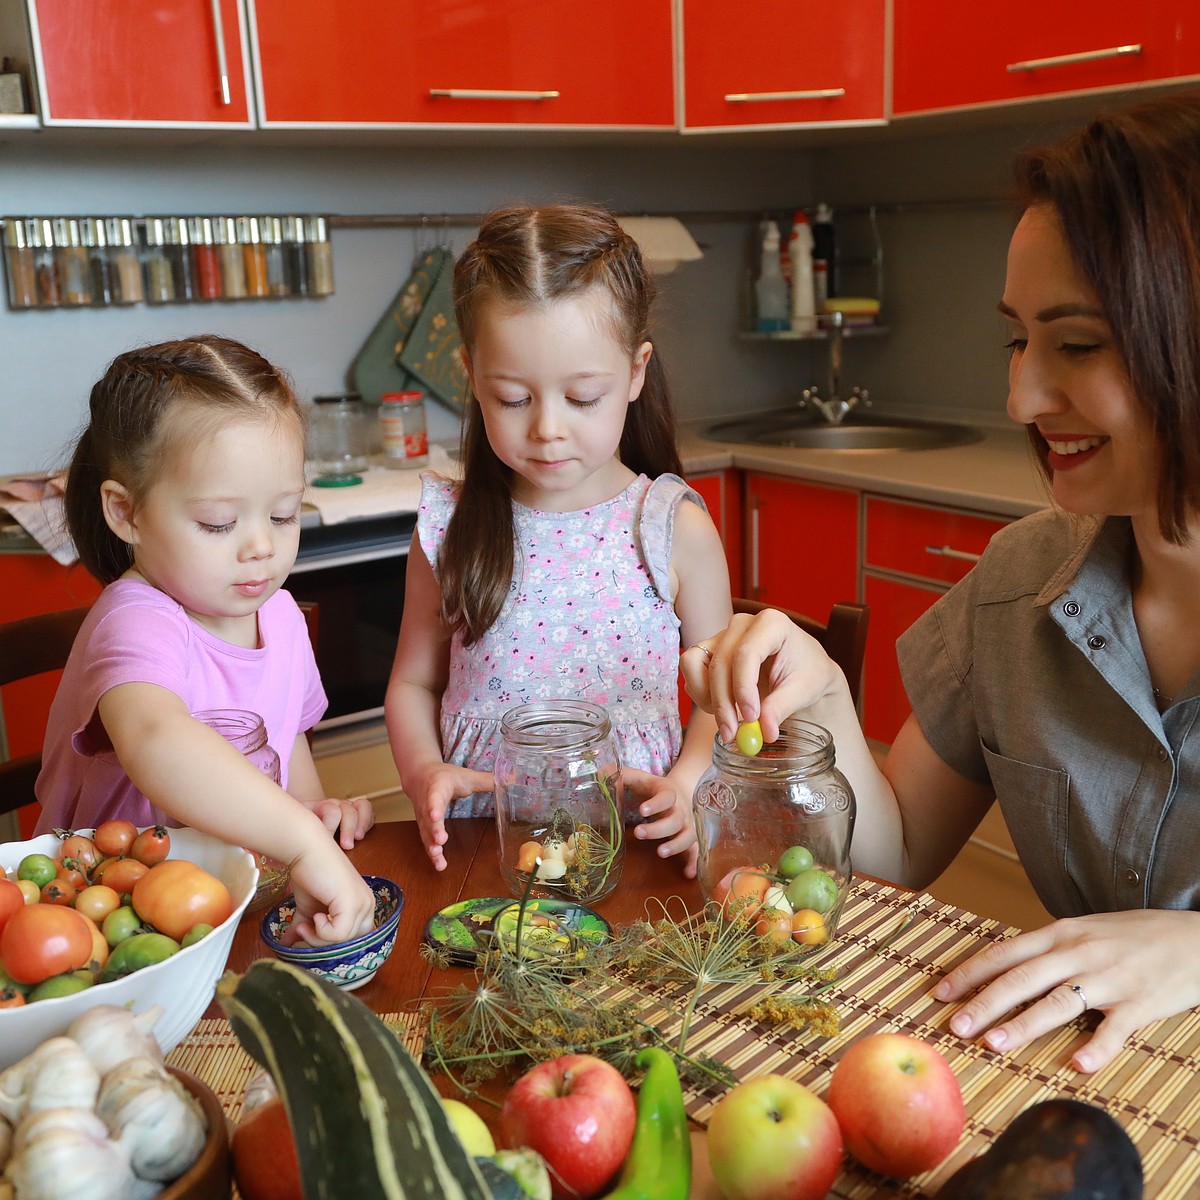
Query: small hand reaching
point(348, 819)
point(668, 816)
point(333, 902)
point(431, 795)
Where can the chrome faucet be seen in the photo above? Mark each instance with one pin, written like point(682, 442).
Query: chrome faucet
point(835, 408)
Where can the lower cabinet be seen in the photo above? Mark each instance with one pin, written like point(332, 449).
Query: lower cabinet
point(722, 493)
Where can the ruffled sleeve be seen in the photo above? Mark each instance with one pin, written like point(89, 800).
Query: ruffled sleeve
point(438, 498)
point(656, 527)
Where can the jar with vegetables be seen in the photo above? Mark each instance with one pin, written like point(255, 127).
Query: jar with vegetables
point(773, 824)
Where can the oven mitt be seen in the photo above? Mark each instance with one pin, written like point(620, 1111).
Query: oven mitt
point(433, 350)
point(376, 368)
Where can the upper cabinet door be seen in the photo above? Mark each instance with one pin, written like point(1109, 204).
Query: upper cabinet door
point(145, 62)
point(1021, 49)
point(781, 62)
point(443, 62)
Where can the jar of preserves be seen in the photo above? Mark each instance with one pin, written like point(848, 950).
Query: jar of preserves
point(402, 429)
point(774, 832)
point(558, 801)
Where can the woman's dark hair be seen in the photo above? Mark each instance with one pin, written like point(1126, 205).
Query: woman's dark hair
point(530, 257)
point(1126, 191)
point(149, 404)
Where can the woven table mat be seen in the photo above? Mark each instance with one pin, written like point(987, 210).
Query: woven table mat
point(891, 949)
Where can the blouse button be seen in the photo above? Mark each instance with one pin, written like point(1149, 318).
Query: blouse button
point(1097, 642)
point(1071, 608)
point(1132, 877)
point(1162, 755)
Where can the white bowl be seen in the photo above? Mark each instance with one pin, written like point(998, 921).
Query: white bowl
point(183, 984)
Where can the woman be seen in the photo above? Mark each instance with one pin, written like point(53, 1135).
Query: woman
point(1061, 676)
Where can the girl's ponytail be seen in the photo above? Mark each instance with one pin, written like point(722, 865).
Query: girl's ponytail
point(648, 440)
point(105, 555)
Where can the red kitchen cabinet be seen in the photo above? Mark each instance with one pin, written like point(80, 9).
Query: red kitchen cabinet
point(31, 584)
point(722, 493)
point(142, 62)
point(1011, 50)
point(441, 62)
point(912, 554)
point(802, 544)
point(775, 62)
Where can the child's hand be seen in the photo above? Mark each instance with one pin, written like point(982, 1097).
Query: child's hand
point(353, 817)
point(431, 797)
point(668, 815)
point(333, 902)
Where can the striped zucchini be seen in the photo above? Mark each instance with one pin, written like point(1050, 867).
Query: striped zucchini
point(367, 1122)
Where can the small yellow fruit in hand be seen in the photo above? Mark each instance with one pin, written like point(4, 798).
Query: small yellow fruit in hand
point(749, 738)
point(475, 1136)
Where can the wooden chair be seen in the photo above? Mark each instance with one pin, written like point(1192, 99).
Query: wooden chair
point(30, 647)
point(843, 636)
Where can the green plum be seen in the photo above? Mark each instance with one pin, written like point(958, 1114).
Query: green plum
point(749, 738)
point(793, 861)
point(813, 888)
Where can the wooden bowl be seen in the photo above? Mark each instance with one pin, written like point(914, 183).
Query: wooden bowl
point(210, 1176)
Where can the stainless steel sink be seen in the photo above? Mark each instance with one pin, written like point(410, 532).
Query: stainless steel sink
point(857, 431)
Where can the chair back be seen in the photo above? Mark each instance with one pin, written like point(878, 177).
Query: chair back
point(843, 637)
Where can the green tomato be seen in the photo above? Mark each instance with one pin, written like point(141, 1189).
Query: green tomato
point(194, 934)
point(7, 982)
point(794, 860)
point(61, 985)
point(37, 868)
point(813, 889)
point(749, 738)
point(120, 924)
point(134, 953)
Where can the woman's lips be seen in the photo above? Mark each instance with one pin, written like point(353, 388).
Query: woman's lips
point(1067, 451)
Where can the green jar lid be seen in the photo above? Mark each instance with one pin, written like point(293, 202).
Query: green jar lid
point(337, 480)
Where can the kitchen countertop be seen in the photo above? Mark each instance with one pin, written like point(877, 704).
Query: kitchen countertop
point(995, 475)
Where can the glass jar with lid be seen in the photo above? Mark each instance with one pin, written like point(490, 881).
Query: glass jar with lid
point(774, 831)
point(340, 439)
point(559, 800)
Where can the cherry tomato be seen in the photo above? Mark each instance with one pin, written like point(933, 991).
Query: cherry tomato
point(152, 845)
point(121, 874)
point(37, 868)
point(176, 894)
point(115, 837)
point(97, 901)
point(100, 949)
point(264, 1155)
point(30, 890)
point(11, 898)
point(68, 873)
point(120, 924)
point(41, 940)
point(11, 998)
point(81, 849)
point(59, 891)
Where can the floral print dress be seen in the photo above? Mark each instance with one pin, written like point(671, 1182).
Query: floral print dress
point(589, 617)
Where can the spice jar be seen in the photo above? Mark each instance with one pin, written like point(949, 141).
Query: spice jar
point(40, 233)
point(340, 439)
point(558, 800)
point(101, 277)
point(205, 259)
point(273, 252)
point(320, 257)
point(244, 731)
point(254, 259)
point(19, 273)
point(774, 830)
point(122, 250)
point(233, 265)
point(72, 260)
point(179, 254)
point(295, 256)
point(402, 426)
point(160, 280)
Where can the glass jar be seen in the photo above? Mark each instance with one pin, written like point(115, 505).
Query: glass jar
point(40, 233)
point(19, 271)
point(780, 819)
point(254, 258)
point(275, 256)
point(558, 800)
point(244, 731)
point(320, 256)
point(233, 265)
point(156, 265)
point(101, 276)
point(295, 255)
point(121, 236)
point(340, 439)
point(72, 260)
point(402, 427)
point(206, 260)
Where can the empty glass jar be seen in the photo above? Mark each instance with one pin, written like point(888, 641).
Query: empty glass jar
point(558, 800)
point(340, 438)
point(774, 831)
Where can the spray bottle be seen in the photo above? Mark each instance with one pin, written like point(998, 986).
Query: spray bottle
point(770, 291)
point(803, 316)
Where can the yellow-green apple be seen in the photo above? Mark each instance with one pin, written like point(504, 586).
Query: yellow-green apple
point(579, 1114)
point(472, 1131)
point(772, 1139)
point(898, 1103)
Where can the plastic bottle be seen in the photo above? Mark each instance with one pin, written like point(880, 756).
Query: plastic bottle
point(800, 247)
point(770, 292)
point(824, 252)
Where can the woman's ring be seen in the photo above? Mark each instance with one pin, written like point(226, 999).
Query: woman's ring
point(1079, 992)
point(706, 651)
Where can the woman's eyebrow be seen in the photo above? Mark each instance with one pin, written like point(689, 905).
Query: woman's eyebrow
point(1056, 312)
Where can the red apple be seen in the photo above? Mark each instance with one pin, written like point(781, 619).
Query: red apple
point(898, 1103)
point(772, 1139)
point(578, 1113)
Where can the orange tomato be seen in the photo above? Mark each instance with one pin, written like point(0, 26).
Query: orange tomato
point(775, 926)
point(11, 899)
point(176, 894)
point(808, 927)
point(740, 891)
point(97, 901)
point(41, 940)
point(79, 851)
point(100, 946)
point(121, 874)
point(264, 1155)
point(527, 856)
point(115, 837)
point(152, 845)
point(59, 891)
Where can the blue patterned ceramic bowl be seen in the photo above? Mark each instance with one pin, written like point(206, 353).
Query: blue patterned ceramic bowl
point(345, 964)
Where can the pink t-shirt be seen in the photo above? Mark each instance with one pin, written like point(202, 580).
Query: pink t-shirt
point(137, 634)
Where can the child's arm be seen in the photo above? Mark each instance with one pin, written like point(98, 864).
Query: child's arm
point(413, 705)
point(190, 771)
point(348, 820)
point(700, 585)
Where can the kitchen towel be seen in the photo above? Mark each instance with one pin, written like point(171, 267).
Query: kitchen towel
point(664, 241)
point(37, 506)
point(383, 491)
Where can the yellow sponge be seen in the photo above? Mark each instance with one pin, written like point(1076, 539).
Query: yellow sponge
point(858, 306)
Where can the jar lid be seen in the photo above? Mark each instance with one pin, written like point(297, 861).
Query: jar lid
point(15, 233)
point(316, 229)
point(339, 398)
point(119, 231)
point(401, 397)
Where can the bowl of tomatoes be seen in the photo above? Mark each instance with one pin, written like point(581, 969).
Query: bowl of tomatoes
point(164, 942)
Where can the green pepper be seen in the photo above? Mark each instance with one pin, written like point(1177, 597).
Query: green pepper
point(659, 1163)
point(140, 950)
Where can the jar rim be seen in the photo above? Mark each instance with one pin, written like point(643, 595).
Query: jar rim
point(236, 725)
point(559, 723)
point(801, 748)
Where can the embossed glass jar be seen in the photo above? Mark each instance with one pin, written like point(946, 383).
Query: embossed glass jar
point(558, 800)
point(750, 810)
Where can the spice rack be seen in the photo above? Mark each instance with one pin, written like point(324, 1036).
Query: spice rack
point(92, 261)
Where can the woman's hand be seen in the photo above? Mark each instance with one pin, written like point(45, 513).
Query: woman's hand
point(1135, 967)
point(431, 792)
point(667, 813)
point(333, 901)
point(349, 819)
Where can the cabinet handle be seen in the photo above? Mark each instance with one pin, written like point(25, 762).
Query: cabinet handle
point(491, 94)
point(222, 63)
point(754, 587)
point(756, 97)
point(1066, 60)
point(950, 552)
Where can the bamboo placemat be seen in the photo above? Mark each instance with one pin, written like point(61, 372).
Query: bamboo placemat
point(891, 949)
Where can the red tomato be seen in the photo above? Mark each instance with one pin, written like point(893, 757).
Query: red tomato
point(11, 898)
point(121, 874)
point(59, 891)
point(11, 998)
point(100, 946)
point(176, 894)
point(152, 845)
point(79, 851)
point(41, 940)
point(68, 873)
point(264, 1155)
point(115, 837)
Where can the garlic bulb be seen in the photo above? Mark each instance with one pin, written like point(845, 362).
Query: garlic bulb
point(6, 1137)
point(57, 1145)
point(56, 1075)
point(109, 1034)
point(151, 1116)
